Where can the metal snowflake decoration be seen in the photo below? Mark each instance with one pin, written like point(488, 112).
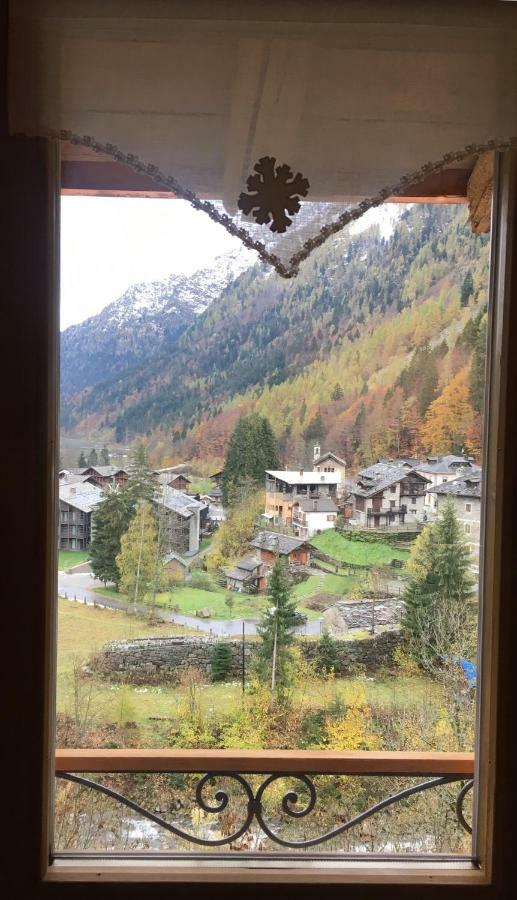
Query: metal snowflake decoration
point(275, 191)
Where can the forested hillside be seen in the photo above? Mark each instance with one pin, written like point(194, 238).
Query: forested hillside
point(355, 352)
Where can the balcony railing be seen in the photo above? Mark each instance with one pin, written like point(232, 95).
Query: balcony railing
point(256, 791)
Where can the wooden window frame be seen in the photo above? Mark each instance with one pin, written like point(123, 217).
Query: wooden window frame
point(30, 170)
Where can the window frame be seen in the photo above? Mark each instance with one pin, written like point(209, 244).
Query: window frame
point(34, 164)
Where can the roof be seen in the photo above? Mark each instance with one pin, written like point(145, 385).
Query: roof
point(408, 461)
point(277, 543)
point(321, 505)
point(466, 486)
point(104, 471)
point(178, 501)
point(169, 557)
point(379, 476)
point(300, 476)
point(84, 497)
point(71, 478)
point(244, 568)
point(330, 455)
point(447, 465)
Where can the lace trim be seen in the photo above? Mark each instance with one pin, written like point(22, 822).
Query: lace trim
point(291, 269)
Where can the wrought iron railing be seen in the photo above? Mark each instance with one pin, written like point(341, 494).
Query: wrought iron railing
point(249, 777)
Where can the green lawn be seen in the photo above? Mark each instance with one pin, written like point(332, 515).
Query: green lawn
point(340, 585)
point(69, 558)
point(82, 630)
point(360, 552)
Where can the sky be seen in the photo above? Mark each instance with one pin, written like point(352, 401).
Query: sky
point(110, 243)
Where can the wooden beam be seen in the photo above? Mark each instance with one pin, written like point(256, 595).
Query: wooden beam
point(362, 762)
point(104, 178)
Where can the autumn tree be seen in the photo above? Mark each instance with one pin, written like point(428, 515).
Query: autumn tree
point(232, 538)
point(137, 558)
point(449, 417)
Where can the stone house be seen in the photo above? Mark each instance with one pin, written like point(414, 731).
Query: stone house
point(330, 462)
point(388, 494)
point(105, 476)
point(442, 469)
point(285, 488)
point(466, 495)
point(312, 516)
point(252, 572)
point(183, 519)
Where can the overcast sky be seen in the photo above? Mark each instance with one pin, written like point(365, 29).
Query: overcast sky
point(110, 243)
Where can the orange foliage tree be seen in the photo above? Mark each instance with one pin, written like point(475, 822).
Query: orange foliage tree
point(449, 418)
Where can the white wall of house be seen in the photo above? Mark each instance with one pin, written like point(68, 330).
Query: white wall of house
point(435, 478)
point(309, 523)
point(392, 498)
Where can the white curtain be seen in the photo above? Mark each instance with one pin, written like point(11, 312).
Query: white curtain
point(353, 95)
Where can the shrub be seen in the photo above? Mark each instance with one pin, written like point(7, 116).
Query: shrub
point(221, 661)
point(202, 581)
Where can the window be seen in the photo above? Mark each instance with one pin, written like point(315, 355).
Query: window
point(468, 507)
point(331, 518)
point(413, 499)
point(393, 488)
point(467, 528)
point(302, 823)
point(392, 504)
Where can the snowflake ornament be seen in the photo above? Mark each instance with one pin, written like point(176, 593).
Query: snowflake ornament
point(275, 191)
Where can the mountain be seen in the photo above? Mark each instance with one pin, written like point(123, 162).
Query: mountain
point(328, 356)
point(143, 322)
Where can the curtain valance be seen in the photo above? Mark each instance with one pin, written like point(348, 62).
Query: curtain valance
point(352, 96)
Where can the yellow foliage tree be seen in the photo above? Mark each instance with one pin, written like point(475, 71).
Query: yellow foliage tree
point(352, 731)
point(232, 539)
point(138, 554)
point(449, 417)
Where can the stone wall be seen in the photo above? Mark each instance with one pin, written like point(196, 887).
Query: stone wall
point(163, 659)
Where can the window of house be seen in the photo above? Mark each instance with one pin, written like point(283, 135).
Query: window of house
point(468, 507)
point(467, 528)
point(88, 821)
point(393, 488)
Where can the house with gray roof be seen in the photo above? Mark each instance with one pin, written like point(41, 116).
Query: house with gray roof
point(252, 572)
point(387, 494)
point(442, 469)
point(77, 501)
point(182, 519)
point(330, 462)
point(466, 496)
point(245, 576)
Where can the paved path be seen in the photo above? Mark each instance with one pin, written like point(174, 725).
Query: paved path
point(81, 587)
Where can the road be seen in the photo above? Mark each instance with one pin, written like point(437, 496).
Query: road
point(81, 587)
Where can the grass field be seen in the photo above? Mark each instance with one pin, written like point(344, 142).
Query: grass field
point(82, 630)
point(69, 558)
point(340, 585)
point(359, 552)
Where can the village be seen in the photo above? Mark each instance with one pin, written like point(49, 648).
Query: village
point(344, 539)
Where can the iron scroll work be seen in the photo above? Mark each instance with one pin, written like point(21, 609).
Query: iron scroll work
point(290, 804)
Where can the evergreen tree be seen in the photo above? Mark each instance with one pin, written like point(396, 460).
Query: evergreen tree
point(467, 289)
point(141, 484)
point(251, 450)
point(105, 456)
point(81, 462)
point(92, 457)
point(438, 595)
point(326, 653)
point(477, 371)
point(136, 560)
point(110, 520)
point(276, 631)
point(221, 661)
point(337, 392)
